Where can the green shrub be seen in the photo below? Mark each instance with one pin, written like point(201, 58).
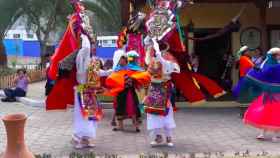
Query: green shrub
point(4, 71)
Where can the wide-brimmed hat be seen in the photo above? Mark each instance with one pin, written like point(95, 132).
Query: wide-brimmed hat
point(274, 51)
point(117, 56)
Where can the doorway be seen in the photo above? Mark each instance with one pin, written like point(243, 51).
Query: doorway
point(213, 54)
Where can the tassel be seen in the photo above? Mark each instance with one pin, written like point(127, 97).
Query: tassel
point(181, 33)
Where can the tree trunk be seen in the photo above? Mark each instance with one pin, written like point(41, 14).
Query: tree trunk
point(43, 53)
point(3, 55)
point(125, 5)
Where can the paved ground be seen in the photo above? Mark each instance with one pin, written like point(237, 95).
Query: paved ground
point(199, 130)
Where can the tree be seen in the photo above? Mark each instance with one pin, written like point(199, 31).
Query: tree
point(46, 17)
point(50, 16)
point(107, 15)
point(10, 10)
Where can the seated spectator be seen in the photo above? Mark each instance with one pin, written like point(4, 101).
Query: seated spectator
point(20, 90)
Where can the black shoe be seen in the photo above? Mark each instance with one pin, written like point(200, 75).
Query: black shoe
point(8, 100)
point(5, 100)
point(117, 129)
point(114, 123)
point(138, 130)
point(12, 100)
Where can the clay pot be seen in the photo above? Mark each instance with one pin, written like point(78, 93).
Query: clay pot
point(16, 147)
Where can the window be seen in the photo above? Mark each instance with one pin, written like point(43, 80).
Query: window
point(30, 35)
point(105, 41)
point(16, 36)
point(99, 43)
point(114, 41)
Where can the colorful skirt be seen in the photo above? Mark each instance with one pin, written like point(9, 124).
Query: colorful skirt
point(264, 112)
point(127, 104)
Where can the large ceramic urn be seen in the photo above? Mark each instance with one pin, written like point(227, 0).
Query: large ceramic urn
point(16, 147)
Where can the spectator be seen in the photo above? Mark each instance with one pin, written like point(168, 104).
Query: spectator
point(258, 57)
point(195, 63)
point(20, 90)
point(108, 64)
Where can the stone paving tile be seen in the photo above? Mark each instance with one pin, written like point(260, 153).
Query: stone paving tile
point(198, 130)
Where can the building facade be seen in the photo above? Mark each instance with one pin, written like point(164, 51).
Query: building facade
point(260, 28)
point(22, 48)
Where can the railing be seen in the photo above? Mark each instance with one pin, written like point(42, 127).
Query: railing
point(34, 75)
point(26, 66)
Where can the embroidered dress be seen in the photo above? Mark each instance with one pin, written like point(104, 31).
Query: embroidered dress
point(87, 110)
point(157, 103)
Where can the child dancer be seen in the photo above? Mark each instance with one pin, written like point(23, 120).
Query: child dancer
point(126, 78)
point(157, 103)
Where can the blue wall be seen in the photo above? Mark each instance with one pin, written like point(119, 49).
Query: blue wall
point(13, 47)
point(18, 47)
point(31, 48)
point(105, 52)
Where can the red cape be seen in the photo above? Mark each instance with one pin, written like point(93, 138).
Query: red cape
point(62, 93)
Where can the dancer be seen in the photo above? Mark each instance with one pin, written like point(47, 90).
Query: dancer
point(122, 83)
point(119, 63)
point(164, 23)
point(127, 100)
point(87, 110)
point(77, 73)
point(157, 103)
point(264, 112)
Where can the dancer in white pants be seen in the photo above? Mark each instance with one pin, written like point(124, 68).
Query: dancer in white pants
point(160, 118)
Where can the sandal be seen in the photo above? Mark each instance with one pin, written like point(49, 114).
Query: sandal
point(260, 137)
point(169, 142)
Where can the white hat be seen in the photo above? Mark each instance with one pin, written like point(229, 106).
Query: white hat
point(274, 51)
point(117, 56)
point(132, 53)
point(244, 48)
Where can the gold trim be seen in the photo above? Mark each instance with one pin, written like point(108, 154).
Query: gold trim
point(220, 94)
point(153, 108)
point(198, 102)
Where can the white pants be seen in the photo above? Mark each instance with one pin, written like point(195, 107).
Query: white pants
point(156, 123)
point(167, 132)
point(82, 127)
